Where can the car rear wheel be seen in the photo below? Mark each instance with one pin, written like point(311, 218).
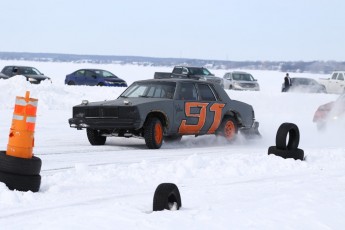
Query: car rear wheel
point(71, 83)
point(153, 133)
point(228, 128)
point(94, 137)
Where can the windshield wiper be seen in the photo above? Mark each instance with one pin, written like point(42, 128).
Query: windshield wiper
point(145, 96)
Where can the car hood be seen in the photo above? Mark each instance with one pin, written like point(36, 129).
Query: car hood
point(246, 82)
point(122, 101)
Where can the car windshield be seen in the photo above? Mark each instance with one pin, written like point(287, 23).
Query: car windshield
point(199, 71)
point(150, 90)
point(242, 77)
point(105, 74)
point(30, 70)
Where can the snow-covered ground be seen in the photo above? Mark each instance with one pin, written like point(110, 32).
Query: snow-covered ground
point(222, 186)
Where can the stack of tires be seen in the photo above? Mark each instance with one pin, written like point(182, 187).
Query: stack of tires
point(287, 149)
point(20, 174)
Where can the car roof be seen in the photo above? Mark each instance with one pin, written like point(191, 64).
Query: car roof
point(239, 72)
point(93, 69)
point(173, 80)
point(19, 66)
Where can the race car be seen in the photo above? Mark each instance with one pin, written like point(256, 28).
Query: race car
point(332, 112)
point(161, 110)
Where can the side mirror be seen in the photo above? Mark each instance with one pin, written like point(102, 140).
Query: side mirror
point(94, 76)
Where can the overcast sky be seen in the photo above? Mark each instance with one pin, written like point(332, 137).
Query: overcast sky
point(237, 30)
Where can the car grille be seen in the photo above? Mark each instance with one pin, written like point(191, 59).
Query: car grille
point(95, 112)
point(247, 85)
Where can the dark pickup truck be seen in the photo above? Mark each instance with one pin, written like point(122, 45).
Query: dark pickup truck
point(165, 110)
point(197, 73)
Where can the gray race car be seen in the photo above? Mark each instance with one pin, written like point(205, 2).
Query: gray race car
point(165, 110)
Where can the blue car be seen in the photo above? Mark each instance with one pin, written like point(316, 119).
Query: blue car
point(92, 77)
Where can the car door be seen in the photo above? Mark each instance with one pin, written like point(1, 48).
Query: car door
point(78, 77)
point(332, 83)
point(197, 110)
point(91, 78)
point(186, 109)
point(212, 106)
point(227, 80)
point(339, 84)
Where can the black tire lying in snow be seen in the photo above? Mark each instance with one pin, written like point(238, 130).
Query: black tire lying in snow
point(20, 166)
point(166, 195)
point(297, 154)
point(294, 136)
point(20, 182)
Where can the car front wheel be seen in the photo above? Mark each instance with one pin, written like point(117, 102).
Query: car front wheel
point(153, 133)
point(94, 137)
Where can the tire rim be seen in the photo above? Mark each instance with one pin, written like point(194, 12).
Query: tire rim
point(229, 130)
point(158, 133)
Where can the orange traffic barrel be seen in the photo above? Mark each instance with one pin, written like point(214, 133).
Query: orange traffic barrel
point(21, 138)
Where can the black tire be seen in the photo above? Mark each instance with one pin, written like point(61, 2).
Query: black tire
point(100, 84)
point(165, 196)
point(71, 83)
point(172, 138)
point(20, 182)
point(94, 137)
point(294, 136)
point(297, 154)
point(153, 134)
point(228, 129)
point(20, 166)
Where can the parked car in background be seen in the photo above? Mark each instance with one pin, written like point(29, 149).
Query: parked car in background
point(240, 81)
point(332, 112)
point(335, 84)
point(191, 72)
point(31, 74)
point(93, 77)
point(304, 85)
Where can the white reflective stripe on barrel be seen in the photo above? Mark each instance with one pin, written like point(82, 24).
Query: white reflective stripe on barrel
point(33, 103)
point(31, 119)
point(18, 117)
point(21, 102)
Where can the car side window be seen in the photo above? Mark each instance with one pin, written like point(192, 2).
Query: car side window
point(177, 70)
point(341, 77)
point(334, 76)
point(187, 92)
point(80, 73)
point(89, 74)
point(205, 92)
